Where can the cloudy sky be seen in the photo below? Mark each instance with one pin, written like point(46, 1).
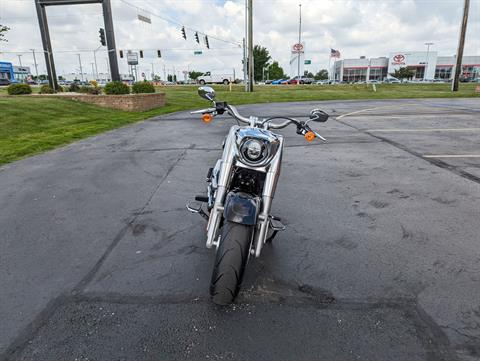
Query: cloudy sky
point(355, 27)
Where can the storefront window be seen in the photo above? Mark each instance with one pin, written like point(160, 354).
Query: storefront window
point(354, 74)
point(443, 72)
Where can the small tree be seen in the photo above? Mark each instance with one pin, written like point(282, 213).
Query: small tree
point(3, 30)
point(261, 57)
point(275, 71)
point(321, 75)
point(308, 74)
point(194, 74)
point(402, 73)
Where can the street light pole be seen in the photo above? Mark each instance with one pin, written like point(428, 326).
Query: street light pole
point(250, 46)
point(35, 62)
point(95, 60)
point(81, 70)
point(299, 40)
point(426, 62)
point(20, 59)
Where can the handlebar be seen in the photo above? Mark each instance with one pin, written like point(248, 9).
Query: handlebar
point(302, 126)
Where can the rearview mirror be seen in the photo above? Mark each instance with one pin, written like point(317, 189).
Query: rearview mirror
point(318, 115)
point(207, 93)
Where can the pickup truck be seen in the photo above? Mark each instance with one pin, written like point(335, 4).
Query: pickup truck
point(209, 78)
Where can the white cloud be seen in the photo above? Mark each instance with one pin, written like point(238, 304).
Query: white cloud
point(362, 27)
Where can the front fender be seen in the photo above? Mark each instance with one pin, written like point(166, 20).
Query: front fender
point(241, 208)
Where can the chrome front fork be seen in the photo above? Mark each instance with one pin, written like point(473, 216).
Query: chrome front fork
point(224, 178)
point(271, 179)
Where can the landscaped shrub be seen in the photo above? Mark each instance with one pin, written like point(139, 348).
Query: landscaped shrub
point(116, 87)
point(73, 87)
point(143, 87)
point(17, 89)
point(60, 89)
point(90, 90)
point(45, 89)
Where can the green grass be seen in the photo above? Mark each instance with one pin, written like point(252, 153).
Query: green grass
point(30, 124)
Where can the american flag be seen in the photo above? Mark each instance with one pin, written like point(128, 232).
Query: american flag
point(334, 53)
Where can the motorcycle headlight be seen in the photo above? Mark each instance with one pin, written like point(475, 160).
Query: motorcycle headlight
point(253, 150)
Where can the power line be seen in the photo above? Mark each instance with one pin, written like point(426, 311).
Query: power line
point(144, 49)
point(178, 24)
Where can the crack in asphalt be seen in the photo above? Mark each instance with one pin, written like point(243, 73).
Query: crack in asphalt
point(32, 328)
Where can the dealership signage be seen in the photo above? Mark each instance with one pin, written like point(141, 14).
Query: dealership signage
point(398, 59)
point(298, 48)
point(132, 58)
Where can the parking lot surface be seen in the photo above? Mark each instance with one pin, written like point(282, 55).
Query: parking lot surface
point(380, 259)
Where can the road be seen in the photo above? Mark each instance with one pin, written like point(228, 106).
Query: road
point(380, 259)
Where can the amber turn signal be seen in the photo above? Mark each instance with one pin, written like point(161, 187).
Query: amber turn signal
point(207, 117)
point(309, 136)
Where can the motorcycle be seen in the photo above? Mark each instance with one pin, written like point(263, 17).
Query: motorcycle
point(240, 190)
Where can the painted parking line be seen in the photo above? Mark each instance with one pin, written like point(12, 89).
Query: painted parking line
point(426, 130)
point(361, 111)
point(452, 156)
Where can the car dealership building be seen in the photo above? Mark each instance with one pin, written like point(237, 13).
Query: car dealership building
point(425, 65)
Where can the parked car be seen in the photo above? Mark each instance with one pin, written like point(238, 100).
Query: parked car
point(278, 81)
point(374, 81)
point(322, 82)
point(268, 81)
point(300, 80)
point(391, 80)
point(4, 81)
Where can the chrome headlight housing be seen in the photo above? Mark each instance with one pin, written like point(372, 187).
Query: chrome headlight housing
point(254, 150)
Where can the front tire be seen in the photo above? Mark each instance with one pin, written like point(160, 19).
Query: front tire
point(226, 82)
point(230, 261)
point(202, 82)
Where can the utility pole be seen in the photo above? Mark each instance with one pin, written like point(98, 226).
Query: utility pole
point(426, 62)
point(461, 43)
point(80, 62)
point(153, 71)
point(35, 62)
point(19, 59)
point(299, 40)
point(250, 46)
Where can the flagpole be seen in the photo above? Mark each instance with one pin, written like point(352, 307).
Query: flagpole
point(329, 66)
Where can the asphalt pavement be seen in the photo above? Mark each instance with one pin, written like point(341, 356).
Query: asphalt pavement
point(380, 259)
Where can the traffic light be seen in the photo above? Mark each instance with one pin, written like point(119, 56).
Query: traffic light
point(184, 34)
point(102, 37)
point(159, 54)
point(141, 53)
point(206, 42)
point(121, 53)
point(196, 37)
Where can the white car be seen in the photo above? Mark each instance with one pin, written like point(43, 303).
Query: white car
point(209, 78)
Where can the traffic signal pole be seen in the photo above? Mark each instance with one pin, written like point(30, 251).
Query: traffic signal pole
point(47, 46)
point(112, 52)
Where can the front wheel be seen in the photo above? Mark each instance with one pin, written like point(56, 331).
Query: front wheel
point(225, 82)
point(202, 82)
point(230, 262)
